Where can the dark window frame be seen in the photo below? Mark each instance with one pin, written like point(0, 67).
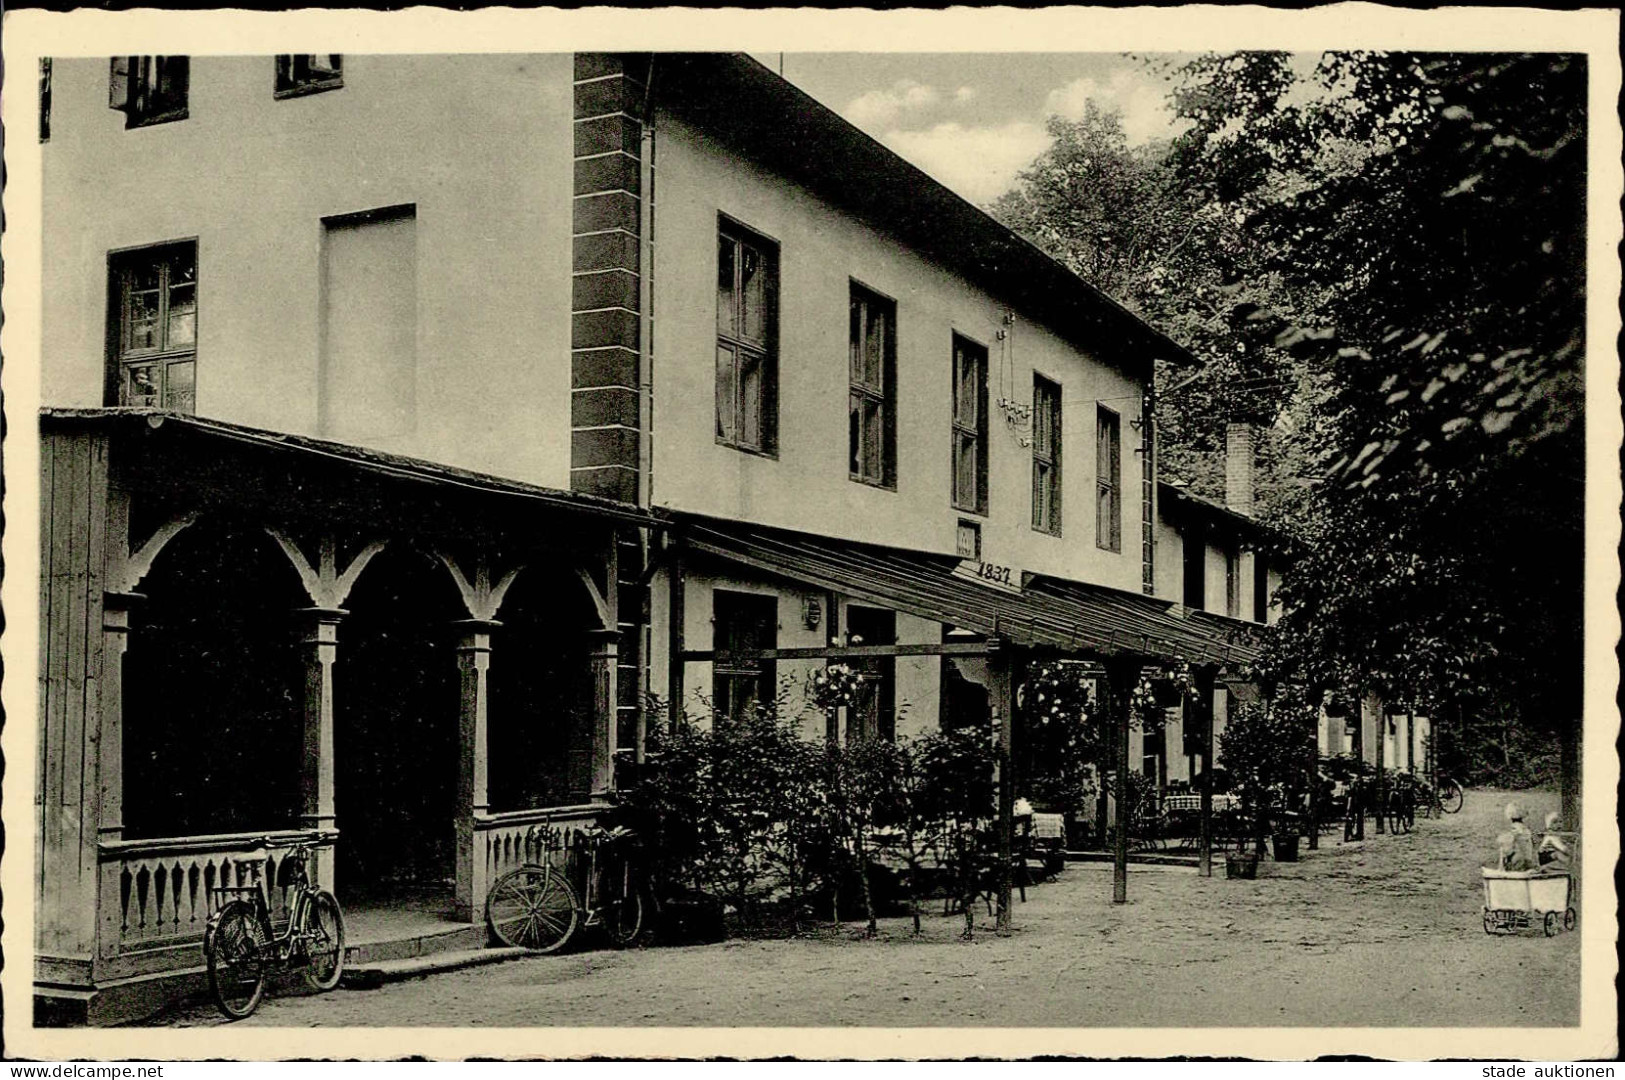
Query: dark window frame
point(1232, 581)
point(863, 305)
point(123, 360)
point(875, 713)
point(1047, 449)
point(150, 90)
point(732, 615)
point(294, 79)
point(1261, 588)
point(743, 350)
point(1108, 479)
point(1193, 563)
point(969, 426)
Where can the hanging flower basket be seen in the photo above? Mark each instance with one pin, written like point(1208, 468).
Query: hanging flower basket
point(834, 687)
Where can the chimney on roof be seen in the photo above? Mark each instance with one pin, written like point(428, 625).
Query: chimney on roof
point(1238, 467)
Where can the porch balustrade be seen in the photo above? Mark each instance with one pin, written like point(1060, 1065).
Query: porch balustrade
point(158, 894)
point(508, 840)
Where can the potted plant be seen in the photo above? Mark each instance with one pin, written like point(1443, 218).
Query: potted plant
point(1269, 747)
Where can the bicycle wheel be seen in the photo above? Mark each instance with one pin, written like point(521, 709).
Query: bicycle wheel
point(238, 953)
point(533, 908)
point(624, 915)
point(1450, 796)
point(324, 945)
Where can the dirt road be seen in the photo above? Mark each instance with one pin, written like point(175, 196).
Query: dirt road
point(1382, 933)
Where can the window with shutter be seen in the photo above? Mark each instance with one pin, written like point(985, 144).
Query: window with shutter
point(747, 339)
point(149, 89)
point(1046, 440)
point(300, 75)
point(872, 401)
point(1108, 480)
point(969, 434)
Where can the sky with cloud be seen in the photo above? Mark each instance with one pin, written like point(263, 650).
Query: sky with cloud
point(974, 120)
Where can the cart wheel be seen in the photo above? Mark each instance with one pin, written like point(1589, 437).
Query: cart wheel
point(1489, 923)
point(1570, 918)
point(1550, 924)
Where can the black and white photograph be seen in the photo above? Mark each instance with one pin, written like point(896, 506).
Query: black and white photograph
point(820, 534)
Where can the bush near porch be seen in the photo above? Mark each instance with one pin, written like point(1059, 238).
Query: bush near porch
point(787, 831)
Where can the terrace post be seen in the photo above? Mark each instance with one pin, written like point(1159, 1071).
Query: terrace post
point(316, 778)
point(473, 755)
point(1120, 677)
point(675, 615)
point(603, 659)
point(1003, 698)
point(1204, 719)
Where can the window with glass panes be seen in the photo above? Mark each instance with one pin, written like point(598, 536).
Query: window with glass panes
point(745, 622)
point(1046, 442)
point(872, 402)
point(970, 426)
point(1108, 480)
point(149, 89)
point(308, 74)
point(747, 316)
point(155, 327)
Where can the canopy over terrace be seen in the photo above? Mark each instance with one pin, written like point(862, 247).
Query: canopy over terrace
point(1123, 630)
point(197, 546)
point(1048, 613)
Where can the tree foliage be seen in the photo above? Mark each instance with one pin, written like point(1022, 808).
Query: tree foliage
point(1383, 255)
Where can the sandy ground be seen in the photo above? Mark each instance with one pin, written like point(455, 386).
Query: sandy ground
point(1382, 933)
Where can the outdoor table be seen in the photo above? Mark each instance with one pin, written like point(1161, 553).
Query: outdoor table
point(1194, 802)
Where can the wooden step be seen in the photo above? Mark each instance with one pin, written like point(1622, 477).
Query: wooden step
point(373, 974)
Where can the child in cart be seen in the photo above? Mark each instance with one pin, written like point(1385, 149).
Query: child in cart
point(1517, 844)
point(1553, 853)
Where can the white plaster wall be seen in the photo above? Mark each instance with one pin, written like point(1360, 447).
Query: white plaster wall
point(821, 250)
point(480, 144)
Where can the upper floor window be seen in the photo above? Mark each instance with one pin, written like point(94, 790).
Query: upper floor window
point(1195, 565)
point(1261, 589)
point(45, 99)
point(149, 89)
point(872, 402)
point(742, 623)
point(747, 339)
point(297, 75)
point(970, 426)
point(154, 335)
point(1108, 480)
point(1046, 455)
point(1232, 583)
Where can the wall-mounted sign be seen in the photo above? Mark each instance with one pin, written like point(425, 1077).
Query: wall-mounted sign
point(994, 575)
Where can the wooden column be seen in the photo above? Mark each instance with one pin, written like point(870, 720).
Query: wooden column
point(117, 609)
point(1002, 695)
point(316, 776)
point(1204, 721)
point(1120, 677)
point(603, 658)
point(473, 755)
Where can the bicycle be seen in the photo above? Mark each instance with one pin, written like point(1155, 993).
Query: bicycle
point(536, 907)
point(1446, 797)
point(242, 949)
point(1402, 800)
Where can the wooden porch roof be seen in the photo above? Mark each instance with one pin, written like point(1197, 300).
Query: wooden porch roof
point(215, 453)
